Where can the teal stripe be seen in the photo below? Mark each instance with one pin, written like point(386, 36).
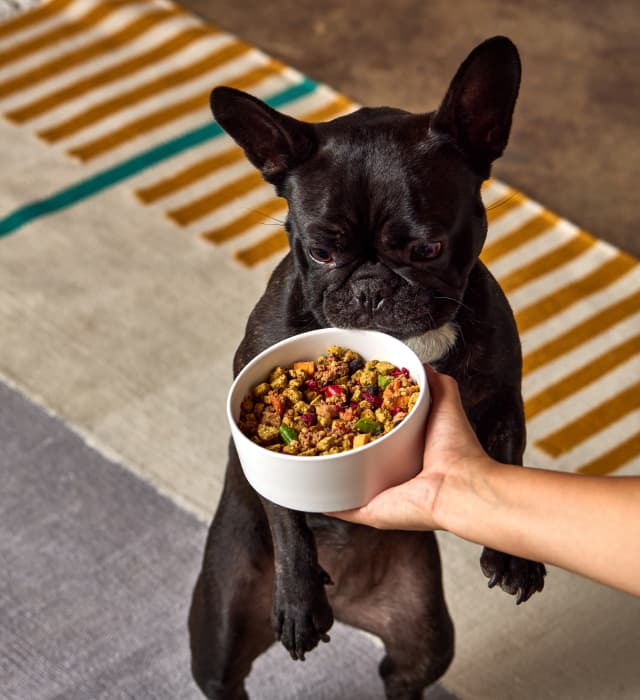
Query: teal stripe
point(136, 164)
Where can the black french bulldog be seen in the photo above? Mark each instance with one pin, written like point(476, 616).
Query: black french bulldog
point(385, 225)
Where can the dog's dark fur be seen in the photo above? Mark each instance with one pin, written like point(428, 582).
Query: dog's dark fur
point(385, 224)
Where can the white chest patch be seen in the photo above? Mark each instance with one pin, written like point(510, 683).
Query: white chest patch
point(434, 345)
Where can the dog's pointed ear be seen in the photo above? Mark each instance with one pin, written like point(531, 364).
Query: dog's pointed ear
point(272, 141)
point(478, 106)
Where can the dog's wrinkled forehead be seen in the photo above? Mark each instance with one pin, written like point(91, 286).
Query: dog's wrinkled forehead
point(377, 164)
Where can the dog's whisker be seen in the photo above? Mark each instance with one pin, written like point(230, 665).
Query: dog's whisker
point(501, 202)
point(268, 216)
point(456, 301)
point(274, 220)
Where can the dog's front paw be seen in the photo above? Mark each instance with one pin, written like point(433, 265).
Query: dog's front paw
point(301, 615)
point(519, 577)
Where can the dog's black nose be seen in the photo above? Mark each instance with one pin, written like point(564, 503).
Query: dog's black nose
point(372, 285)
point(371, 301)
point(371, 294)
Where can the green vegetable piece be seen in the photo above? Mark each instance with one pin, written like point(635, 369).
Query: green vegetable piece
point(364, 425)
point(384, 380)
point(288, 433)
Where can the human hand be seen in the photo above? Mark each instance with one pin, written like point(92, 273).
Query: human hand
point(452, 451)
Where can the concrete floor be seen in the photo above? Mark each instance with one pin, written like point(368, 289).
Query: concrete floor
point(574, 144)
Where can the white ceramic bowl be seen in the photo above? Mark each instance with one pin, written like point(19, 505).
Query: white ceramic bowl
point(339, 481)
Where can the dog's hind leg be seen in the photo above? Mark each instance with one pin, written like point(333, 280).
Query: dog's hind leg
point(226, 636)
point(229, 620)
point(397, 595)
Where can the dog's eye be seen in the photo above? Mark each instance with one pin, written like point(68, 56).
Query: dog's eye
point(321, 255)
point(425, 251)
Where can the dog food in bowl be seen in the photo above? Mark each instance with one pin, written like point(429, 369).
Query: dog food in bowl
point(330, 405)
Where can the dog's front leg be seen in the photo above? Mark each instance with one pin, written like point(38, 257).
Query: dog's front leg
point(301, 614)
point(499, 424)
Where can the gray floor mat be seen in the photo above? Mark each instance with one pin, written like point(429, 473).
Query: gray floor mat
point(96, 576)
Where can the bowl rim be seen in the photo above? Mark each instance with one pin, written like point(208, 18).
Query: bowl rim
point(422, 380)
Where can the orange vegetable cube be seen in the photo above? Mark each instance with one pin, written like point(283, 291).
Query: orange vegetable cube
point(361, 439)
point(277, 402)
point(308, 367)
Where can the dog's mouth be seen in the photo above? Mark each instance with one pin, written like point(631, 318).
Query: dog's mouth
point(402, 315)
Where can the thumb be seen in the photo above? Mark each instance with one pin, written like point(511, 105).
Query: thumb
point(445, 394)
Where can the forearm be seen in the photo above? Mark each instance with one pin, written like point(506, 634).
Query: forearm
point(588, 525)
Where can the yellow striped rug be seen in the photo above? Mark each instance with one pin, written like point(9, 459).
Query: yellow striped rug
point(134, 239)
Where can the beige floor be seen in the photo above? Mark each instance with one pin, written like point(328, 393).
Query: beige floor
point(574, 144)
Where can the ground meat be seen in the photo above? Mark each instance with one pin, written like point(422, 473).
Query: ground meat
point(270, 417)
point(311, 437)
point(332, 371)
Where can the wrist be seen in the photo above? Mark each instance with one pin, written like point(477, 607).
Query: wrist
point(463, 492)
